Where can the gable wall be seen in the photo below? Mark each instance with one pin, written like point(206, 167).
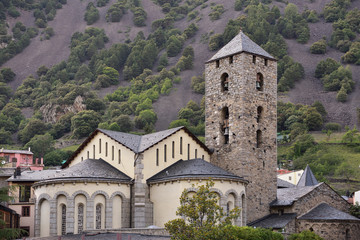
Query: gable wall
point(150, 166)
point(126, 163)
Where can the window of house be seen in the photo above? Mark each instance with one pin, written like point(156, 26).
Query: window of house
point(24, 193)
point(173, 149)
point(165, 153)
point(202, 157)
point(119, 156)
point(112, 153)
point(258, 138)
point(157, 157)
point(254, 59)
point(93, 151)
point(224, 82)
point(195, 153)
point(106, 149)
point(259, 82)
point(265, 62)
point(82, 158)
point(188, 151)
point(25, 211)
point(225, 125)
point(217, 63)
point(289, 178)
point(98, 216)
point(100, 145)
point(181, 145)
point(87, 154)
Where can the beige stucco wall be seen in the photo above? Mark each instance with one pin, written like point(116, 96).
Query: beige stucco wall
point(126, 164)
point(166, 197)
point(150, 166)
point(25, 221)
point(90, 188)
point(292, 177)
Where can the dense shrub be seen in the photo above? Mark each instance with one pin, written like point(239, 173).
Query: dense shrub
point(318, 47)
point(116, 11)
point(336, 127)
point(216, 12)
point(325, 67)
point(91, 14)
point(139, 16)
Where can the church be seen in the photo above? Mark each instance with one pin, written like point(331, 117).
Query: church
point(118, 180)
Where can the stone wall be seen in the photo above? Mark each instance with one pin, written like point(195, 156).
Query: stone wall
point(242, 155)
point(322, 193)
point(332, 230)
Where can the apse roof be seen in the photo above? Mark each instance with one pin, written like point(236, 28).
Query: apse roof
point(195, 168)
point(274, 221)
point(240, 43)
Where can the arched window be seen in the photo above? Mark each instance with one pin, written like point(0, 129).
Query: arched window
point(98, 216)
point(80, 222)
point(258, 138)
point(259, 114)
point(63, 219)
point(224, 82)
point(259, 82)
point(225, 125)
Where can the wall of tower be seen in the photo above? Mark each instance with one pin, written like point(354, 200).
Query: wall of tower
point(249, 150)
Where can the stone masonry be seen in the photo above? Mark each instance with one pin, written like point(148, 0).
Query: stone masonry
point(251, 148)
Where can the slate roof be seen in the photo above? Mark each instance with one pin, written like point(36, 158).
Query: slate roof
point(195, 168)
point(15, 151)
point(284, 184)
point(240, 43)
point(274, 221)
point(307, 178)
point(7, 172)
point(135, 143)
point(287, 196)
point(32, 176)
point(325, 212)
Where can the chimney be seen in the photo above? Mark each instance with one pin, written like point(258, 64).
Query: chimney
point(29, 149)
point(18, 171)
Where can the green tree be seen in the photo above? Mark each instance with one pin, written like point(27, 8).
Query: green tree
point(355, 210)
point(125, 123)
point(8, 74)
point(41, 144)
point(305, 235)
point(202, 217)
point(318, 47)
point(350, 136)
point(32, 128)
point(84, 123)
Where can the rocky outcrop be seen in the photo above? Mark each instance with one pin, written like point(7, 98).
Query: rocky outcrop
point(53, 112)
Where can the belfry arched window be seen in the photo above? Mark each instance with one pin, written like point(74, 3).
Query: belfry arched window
point(259, 82)
point(225, 82)
point(259, 114)
point(225, 125)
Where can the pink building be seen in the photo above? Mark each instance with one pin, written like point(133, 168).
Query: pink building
point(20, 158)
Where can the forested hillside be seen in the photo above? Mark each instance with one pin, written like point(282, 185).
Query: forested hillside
point(68, 67)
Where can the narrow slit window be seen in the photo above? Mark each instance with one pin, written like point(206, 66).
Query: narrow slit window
point(195, 153)
point(93, 151)
point(181, 145)
point(217, 63)
point(119, 156)
point(202, 157)
point(231, 59)
point(258, 138)
point(259, 114)
point(157, 157)
point(88, 154)
point(112, 153)
point(225, 125)
point(165, 153)
point(265, 62)
point(254, 59)
point(106, 149)
point(173, 149)
point(100, 145)
point(188, 150)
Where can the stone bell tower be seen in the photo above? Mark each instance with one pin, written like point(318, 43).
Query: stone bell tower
point(240, 97)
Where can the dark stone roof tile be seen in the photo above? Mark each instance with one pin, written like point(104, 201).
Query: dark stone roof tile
point(274, 221)
point(325, 212)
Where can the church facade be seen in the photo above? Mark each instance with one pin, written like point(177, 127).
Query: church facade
point(118, 180)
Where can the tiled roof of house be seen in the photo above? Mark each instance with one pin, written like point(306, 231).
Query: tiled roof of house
point(287, 196)
point(135, 143)
point(274, 221)
point(196, 168)
point(240, 43)
point(32, 176)
point(307, 178)
point(325, 212)
point(15, 151)
point(4, 172)
point(284, 184)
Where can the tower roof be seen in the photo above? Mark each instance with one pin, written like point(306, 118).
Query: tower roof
point(240, 43)
point(307, 178)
